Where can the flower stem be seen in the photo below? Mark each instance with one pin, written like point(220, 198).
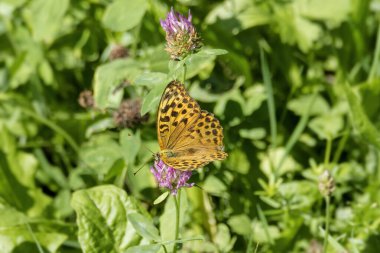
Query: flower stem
point(184, 73)
point(177, 201)
point(327, 221)
point(327, 152)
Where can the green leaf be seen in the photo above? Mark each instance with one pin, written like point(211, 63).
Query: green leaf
point(360, 120)
point(45, 17)
point(18, 233)
point(99, 126)
point(161, 198)
point(215, 186)
point(167, 219)
point(109, 80)
point(153, 248)
point(144, 227)
point(152, 99)
point(210, 51)
point(240, 224)
point(253, 133)
point(102, 218)
point(101, 153)
point(123, 15)
point(327, 126)
point(300, 105)
point(331, 12)
point(151, 79)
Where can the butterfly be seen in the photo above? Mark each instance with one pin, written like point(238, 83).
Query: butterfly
point(188, 137)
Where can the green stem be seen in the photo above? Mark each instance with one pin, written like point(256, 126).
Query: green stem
point(40, 250)
point(328, 152)
point(376, 58)
point(184, 73)
point(177, 201)
point(270, 98)
point(327, 221)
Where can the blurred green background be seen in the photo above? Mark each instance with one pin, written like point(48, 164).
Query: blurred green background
point(297, 93)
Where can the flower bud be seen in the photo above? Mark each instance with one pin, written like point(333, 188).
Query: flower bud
point(128, 114)
point(326, 183)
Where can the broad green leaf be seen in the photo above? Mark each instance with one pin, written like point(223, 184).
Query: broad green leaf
point(151, 79)
point(45, 17)
point(123, 15)
point(102, 212)
point(201, 63)
point(144, 227)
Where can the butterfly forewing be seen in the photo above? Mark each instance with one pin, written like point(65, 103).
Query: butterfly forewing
point(177, 112)
point(193, 137)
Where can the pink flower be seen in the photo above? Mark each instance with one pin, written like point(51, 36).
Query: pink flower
point(170, 178)
point(181, 37)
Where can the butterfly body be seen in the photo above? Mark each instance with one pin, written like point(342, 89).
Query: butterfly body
point(189, 137)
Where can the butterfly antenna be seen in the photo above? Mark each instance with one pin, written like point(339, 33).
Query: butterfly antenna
point(148, 149)
point(134, 173)
point(199, 187)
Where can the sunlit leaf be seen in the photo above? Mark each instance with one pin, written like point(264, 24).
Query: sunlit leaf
point(102, 212)
point(122, 15)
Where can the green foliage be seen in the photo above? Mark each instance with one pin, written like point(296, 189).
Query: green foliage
point(295, 85)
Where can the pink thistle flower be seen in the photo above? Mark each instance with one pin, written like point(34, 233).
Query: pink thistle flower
point(181, 37)
point(170, 178)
